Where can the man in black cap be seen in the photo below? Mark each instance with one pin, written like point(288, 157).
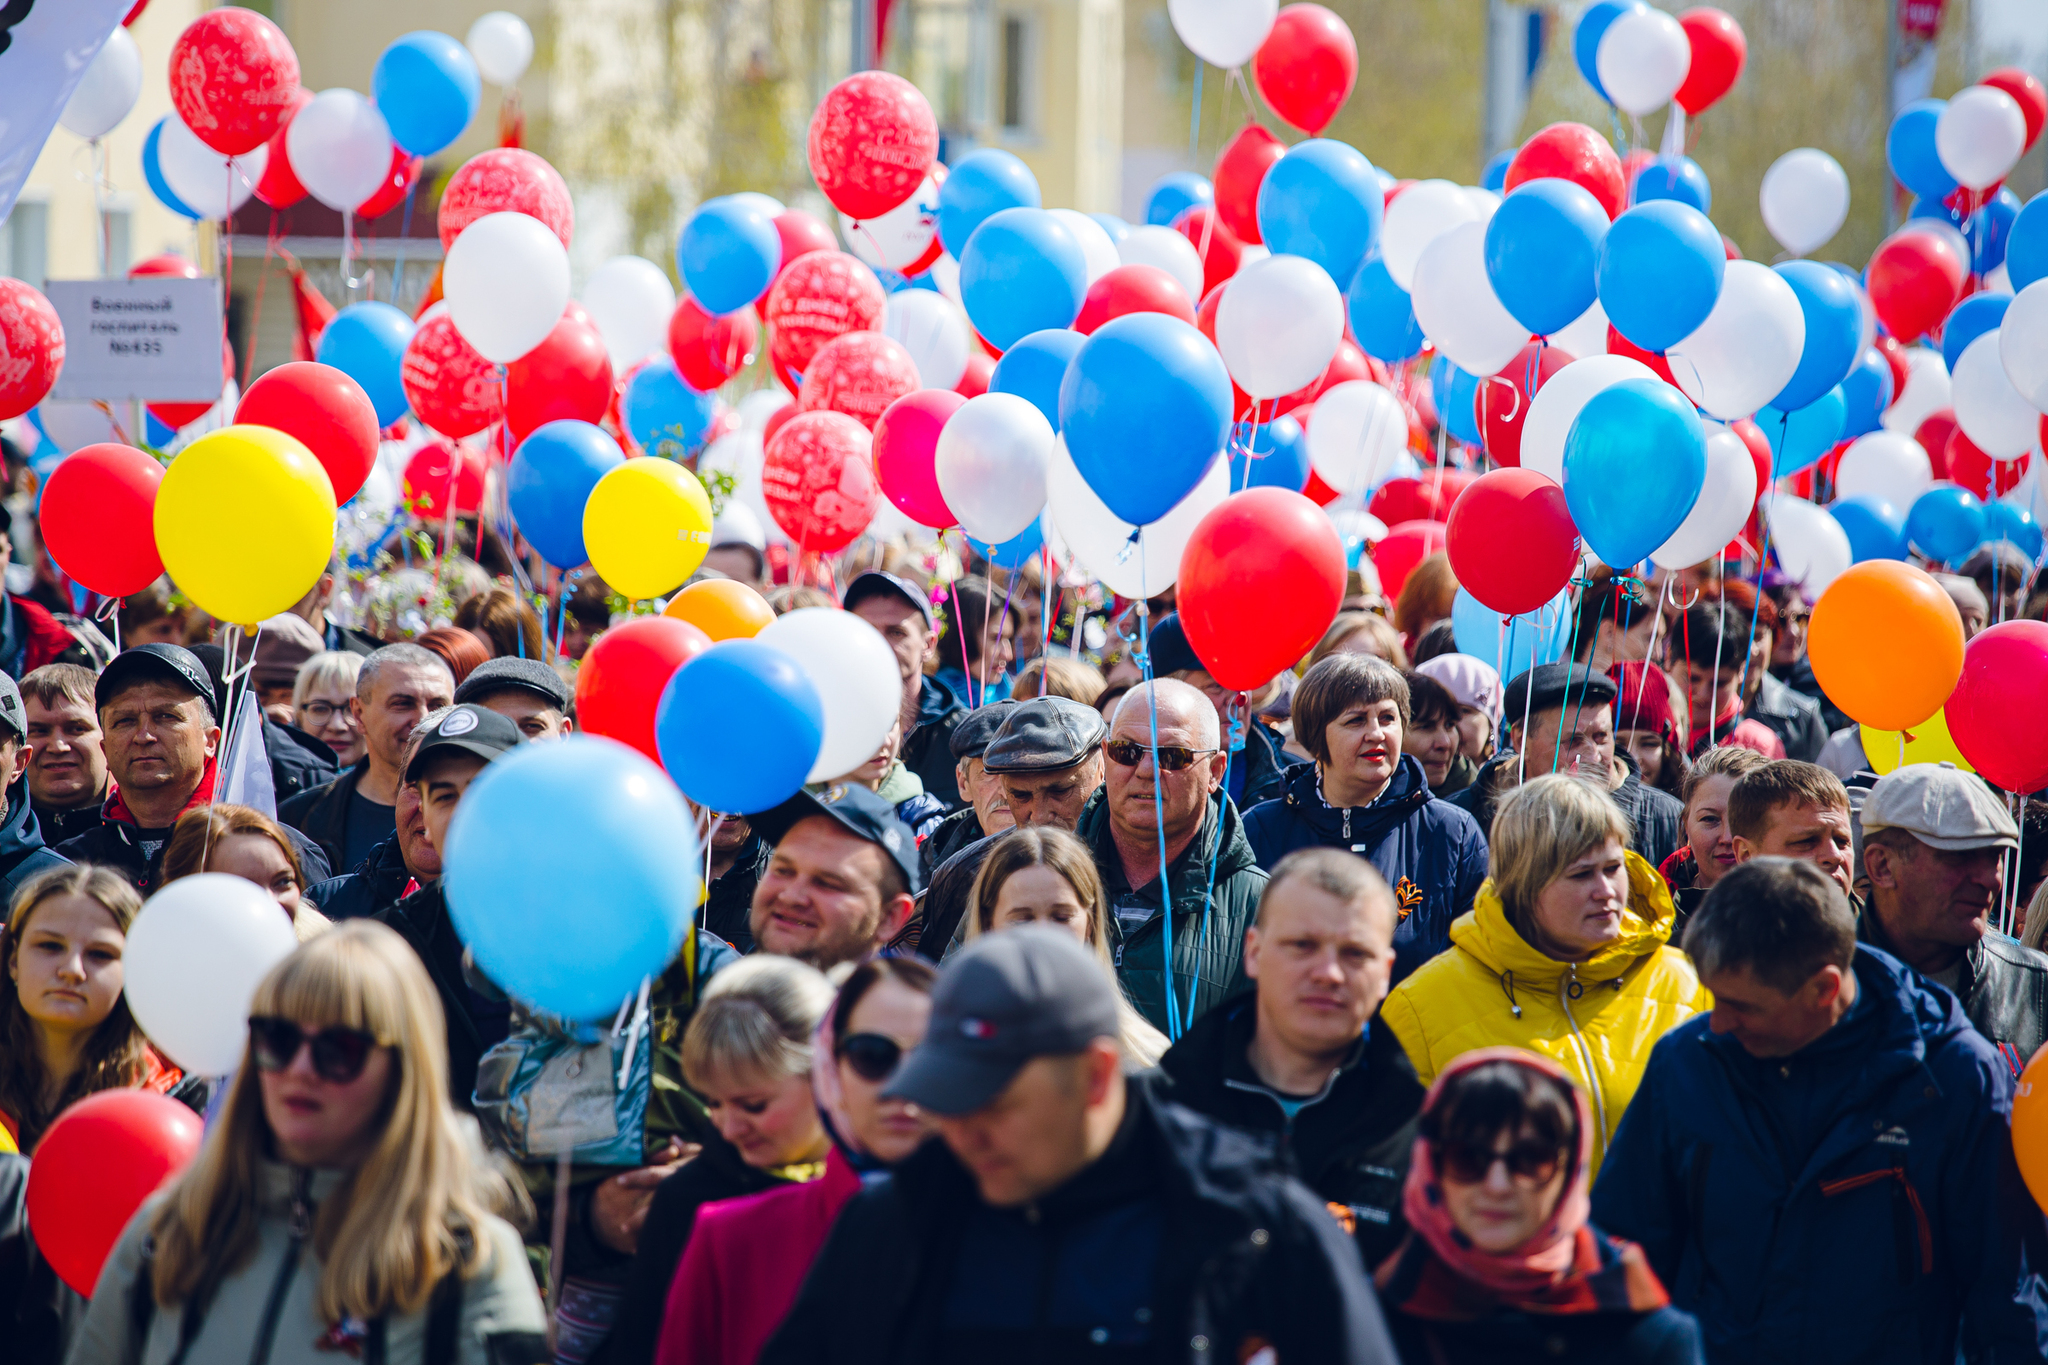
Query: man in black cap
point(524, 691)
point(899, 609)
point(1258, 771)
point(22, 852)
point(987, 812)
point(395, 868)
point(1069, 1213)
point(839, 882)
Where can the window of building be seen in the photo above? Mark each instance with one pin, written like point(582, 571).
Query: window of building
point(1018, 74)
point(115, 224)
point(25, 241)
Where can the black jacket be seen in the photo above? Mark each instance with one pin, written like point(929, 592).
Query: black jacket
point(1260, 772)
point(1350, 1144)
point(919, 1269)
point(116, 844)
point(729, 903)
point(22, 852)
point(298, 762)
point(57, 825)
point(1793, 716)
point(475, 1022)
point(955, 832)
point(375, 883)
point(1801, 680)
point(928, 748)
point(321, 813)
point(2004, 990)
point(1656, 819)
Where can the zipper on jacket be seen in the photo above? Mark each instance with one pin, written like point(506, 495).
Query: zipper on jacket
point(1564, 985)
point(301, 1228)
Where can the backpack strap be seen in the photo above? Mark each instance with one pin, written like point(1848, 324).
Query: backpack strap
point(444, 1321)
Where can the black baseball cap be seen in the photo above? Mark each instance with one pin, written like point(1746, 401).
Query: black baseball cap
point(511, 673)
point(863, 814)
point(1549, 686)
point(877, 583)
point(1044, 735)
point(465, 729)
point(971, 735)
point(1168, 645)
point(153, 663)
point(1003, 1000)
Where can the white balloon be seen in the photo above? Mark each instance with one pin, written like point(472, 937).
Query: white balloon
point(1152, 244)
point(1642, 60)
point(1222, 33)
point(757, 407)
point(945, 273)
point(1812, 547)
point(991, 461)
point(502, 45)
point(2023, 344)
point(1587, 335)
point(1251, 254)
point(1458, 310)
point(1991, 412)
point(1724, 502)
point(1805, 199)
point(934, 331)
point(1746, 350)
point(192, 962)
point(1278, 325)
point(1556, 406)
point(1097, 249)
point(340, 148)
point(506, 280)
point(898, 239)
point(1927, 391)
point(1357, 524)
point(1999, 279)
point(1980, 134)
point(1425, 211)
point(107, 91)
point(631, 300)
point(210, 184)
point(1355, 435)
point(1885, 464)
point(736, 524)
point(856, 676)
point(739, 454)
point(1485, 201)
point(73, 423)
point(1100, 541)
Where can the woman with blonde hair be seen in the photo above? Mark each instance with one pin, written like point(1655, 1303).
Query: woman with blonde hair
point(1044, 874)
point(244, 842)
point(340, 1206)
point(321, 697)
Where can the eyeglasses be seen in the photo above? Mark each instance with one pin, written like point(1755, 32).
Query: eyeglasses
point(339, 1054)
point(1172, 757)
point(1529, 1163)
point(321, 712)
point(872, 1056)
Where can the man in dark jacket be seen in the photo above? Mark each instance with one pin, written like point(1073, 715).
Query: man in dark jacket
point(1794, 717)
point(67, 770)
point(1258, 765)
point(1301, 1060)
point(22, 852)
point(395, 868)
point(899, 609)
point(1821, 1170)
point(1068, 1213)
point(738, 857)
point(986, 813)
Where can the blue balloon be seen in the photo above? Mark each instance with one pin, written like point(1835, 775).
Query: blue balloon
point(1673, 177)
point(1495, 176)
point(550, 479)
point(770, 725)
point(1537, 637)
point(1116, 227)
point(1874, 526)
point(1910, 151)
point(1322, 200)
point(1144, 409)
point(1989, 228)
point(984, 183)
point(427, 88)
point(1022, 272)
point(1946, 523)
point(1542, 248)
point(1593, 25)
point(1866, 393)
point(2026, 244)
point(1799, 438)
point(1834, 331)
point(159, 434)
point(1034, 367)
point(1382, 315)
point(152, 171)
point(2015, 525)
point(366, 342)
point(1660, 272)
point(1276, 456)
point(1968, 320)
point(1456, 394)
point(1633, 466)
point(1172, 195)
point(571, 873)
point(728, 254)
point(1012, 553)
point(1936, 211)
point(663, 414)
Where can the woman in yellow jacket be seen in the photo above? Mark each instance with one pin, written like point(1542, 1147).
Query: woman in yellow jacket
point(1565, 952)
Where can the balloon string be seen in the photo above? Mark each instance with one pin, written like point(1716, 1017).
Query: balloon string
point(1173, 1023)
point(1763, 560)
point(1195, 121)
point(404, 231)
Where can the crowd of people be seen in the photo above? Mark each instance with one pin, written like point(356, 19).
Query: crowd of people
point(1618, 1010)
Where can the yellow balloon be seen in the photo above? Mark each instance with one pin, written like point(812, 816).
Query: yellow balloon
point(245, 522)
point(1927, 742)
point(647, 526)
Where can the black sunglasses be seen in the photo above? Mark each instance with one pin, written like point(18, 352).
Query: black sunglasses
point(339, 1054)
point(1530, 1163)
point(872, 1056)
point(1125, 753)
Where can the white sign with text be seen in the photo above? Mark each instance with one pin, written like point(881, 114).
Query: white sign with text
point(155, 338)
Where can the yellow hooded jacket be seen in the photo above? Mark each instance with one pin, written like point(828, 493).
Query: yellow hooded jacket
point(1598, 1019)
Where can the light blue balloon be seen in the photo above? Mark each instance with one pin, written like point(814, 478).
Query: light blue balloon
point(1382, 314)
point(1866, 393)
point(663, 414)
point(1537, 637)
point(1495, 176)
point(571, 873)
point(1145, 408)
point(2026, 244)
point(550, 479)
point(1456, 394)
point(728, 254)
point(366, 342)
point(153, 173)
point(1034, 367)
point(1910, 151)
point(1990, 227)
point(1116, 227)
point(1322, 200)
point(1022, 272)
point(981, 184)
point(1968, 320)
point(1946, 523)
point(1874, 527)
point(1633, 467)
point(1660, 272)
point(1834, 331)
point(1011, 553)
point(1799, 438)
point(1172, 195)
point(770, 725)
point(1593, 26)
point(1673, 177)
point(1275, 455)
point(1542, 249)
point(2014, 525)
point(427, 88)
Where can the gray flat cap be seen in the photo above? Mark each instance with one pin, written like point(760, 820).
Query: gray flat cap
point(1043, 735)
point(971, 736)
point(525, 675)
point(1940, 805)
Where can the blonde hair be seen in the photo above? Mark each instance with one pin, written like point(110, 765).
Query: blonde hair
point(1543, 827)
point(200, 830)
point(412, 1212)
point(1069, 678)
point(757, 1017)
point(1385, 639)
point(330, 668)
point(2036, 926)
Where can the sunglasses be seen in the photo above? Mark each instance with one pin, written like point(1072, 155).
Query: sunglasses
point(1172, 757)
point(873, 1057)
point(339, 1054)
point(1528, 1163)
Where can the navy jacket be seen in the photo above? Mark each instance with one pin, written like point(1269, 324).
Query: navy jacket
point(1899, 1235)
point(1260, 772)
point(22, 852)
point(1431, 852)
point(928, 748)
point(375, 883)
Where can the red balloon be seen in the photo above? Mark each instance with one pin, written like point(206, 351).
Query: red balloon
point(1574, 152)
point(1132, 289)
point(906, 440)
point(1307, 66)
point(567, 375)
point(1971, 468)
point(1729, 249)
point(1223, 253)
point(709, 350)
point(619, 682)
point(505, 180)
point(440, 473)
point(1914, 279)
point(233, 75)
point(327, 411)
point(801, 234)
point(2027, 92)
point(1933, 434)
point(1511, 541)
point(1399, 500)
point(404, 173)
point(279, 186)
point(1718, 52)
point(1504, 399)
point(1260, 581)
point(449, 386)
point(822, 295)
point(31, 347)
point(818, 478)
point(1407, 545)
point(97, 518)
point(1318, 492)
point(859, 374)
point(1617, 344)
point(872, 140)
point(168, 263)
point(1895, 356)
point(974, 379)
point(1240, 169)
point(2005, 742)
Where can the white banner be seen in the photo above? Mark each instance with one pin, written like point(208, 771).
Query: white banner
point(45, 46)
point(156, 338)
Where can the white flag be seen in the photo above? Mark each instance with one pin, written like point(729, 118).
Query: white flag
point(45, 47)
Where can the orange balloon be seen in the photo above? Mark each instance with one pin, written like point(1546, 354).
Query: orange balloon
point(722, 609)
point(2030, 1126)
point(1886, 644)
